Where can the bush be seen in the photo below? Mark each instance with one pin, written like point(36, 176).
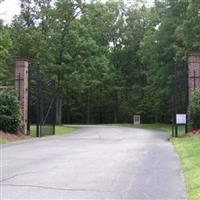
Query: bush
point(194, 110)
point(10, 115)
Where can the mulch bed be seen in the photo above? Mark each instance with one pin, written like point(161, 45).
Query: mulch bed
point(193, 133)
point(10, 137)
point(196, 132)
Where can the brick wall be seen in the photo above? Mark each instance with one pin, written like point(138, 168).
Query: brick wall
point(21, 86)
point(193, 73)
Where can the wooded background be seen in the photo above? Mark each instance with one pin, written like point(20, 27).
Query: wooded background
point(109, 60)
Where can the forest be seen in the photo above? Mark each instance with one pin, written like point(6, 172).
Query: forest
point(109, 59)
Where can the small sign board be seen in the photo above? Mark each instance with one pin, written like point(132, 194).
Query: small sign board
point(181, 119)
point(136, 119)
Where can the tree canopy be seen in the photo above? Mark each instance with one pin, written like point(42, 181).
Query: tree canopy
point(108, 60)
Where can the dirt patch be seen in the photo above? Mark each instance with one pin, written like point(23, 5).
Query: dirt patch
point(10, 137)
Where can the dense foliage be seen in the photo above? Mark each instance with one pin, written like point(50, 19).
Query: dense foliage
point(194, 110)
point(5, 44)
point(109, 60)
point(9, 112)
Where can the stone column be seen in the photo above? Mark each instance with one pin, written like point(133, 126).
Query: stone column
point(193, 73)
point(21, 87)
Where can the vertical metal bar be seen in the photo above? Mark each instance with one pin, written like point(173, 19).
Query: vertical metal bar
point(194, 75)
point(54, 131)
point(175, 130)
point(54, 108)
point(186, 97)
point(172, 100)
point(176, 77)
point(19, 86)
point(38, 101)
point(29, 82)
point(41, 106)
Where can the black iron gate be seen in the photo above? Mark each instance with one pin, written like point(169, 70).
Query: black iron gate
point(179, 99)
point(42, 109)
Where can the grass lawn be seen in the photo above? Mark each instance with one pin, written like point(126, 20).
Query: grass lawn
point(60, 130)
point(188, 149)
point(6, 138)
point(3, 141)
point(162, 127)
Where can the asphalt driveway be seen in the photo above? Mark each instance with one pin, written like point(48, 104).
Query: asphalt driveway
point(94, 163)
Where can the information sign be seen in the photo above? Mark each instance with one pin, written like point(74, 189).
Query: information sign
point(181, 119)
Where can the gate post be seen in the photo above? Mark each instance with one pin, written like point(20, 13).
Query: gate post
point(193, 73)
point(174, 102)
point(179, 116)
point(21, 87)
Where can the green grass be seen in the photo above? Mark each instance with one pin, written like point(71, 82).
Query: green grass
point(59, 130)
point(162, 127)
point(188, 149)
point(3, 141)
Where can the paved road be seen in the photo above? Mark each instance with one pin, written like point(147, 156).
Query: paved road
point(94, 163)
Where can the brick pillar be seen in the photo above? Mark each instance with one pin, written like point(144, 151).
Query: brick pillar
point(193, 73)
point(21, 87)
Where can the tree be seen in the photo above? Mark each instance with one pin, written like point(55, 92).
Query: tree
point(159, 53)
point(5, 44)
point(108, 60)
point(188, 31)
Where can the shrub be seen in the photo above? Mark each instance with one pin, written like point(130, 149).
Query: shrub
point(10, 115)
point(194, 110)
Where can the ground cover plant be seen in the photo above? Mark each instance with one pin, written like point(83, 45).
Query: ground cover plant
point(3, 141)
point(161, 127)
point(188, 149)
point(7, 137)
point(59, 130)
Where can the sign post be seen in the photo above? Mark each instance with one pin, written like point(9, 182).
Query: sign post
point(181, 119)
point(180, 125)
point(136, 119)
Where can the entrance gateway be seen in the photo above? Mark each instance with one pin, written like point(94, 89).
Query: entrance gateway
point(21, 88)
point(37, 100)
point(191, 75)
point(42, 111)
point(45, 105)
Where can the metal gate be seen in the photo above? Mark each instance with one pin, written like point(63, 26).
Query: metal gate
point(179, 99)
point(42, 109)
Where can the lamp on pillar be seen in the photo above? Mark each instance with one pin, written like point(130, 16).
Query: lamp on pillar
point(21, 87)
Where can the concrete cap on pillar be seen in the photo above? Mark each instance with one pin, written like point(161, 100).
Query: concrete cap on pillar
point(22, 62)
point(194, 57)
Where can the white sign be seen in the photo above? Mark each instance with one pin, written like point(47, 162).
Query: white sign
point(181, 119)
point(136, 119)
